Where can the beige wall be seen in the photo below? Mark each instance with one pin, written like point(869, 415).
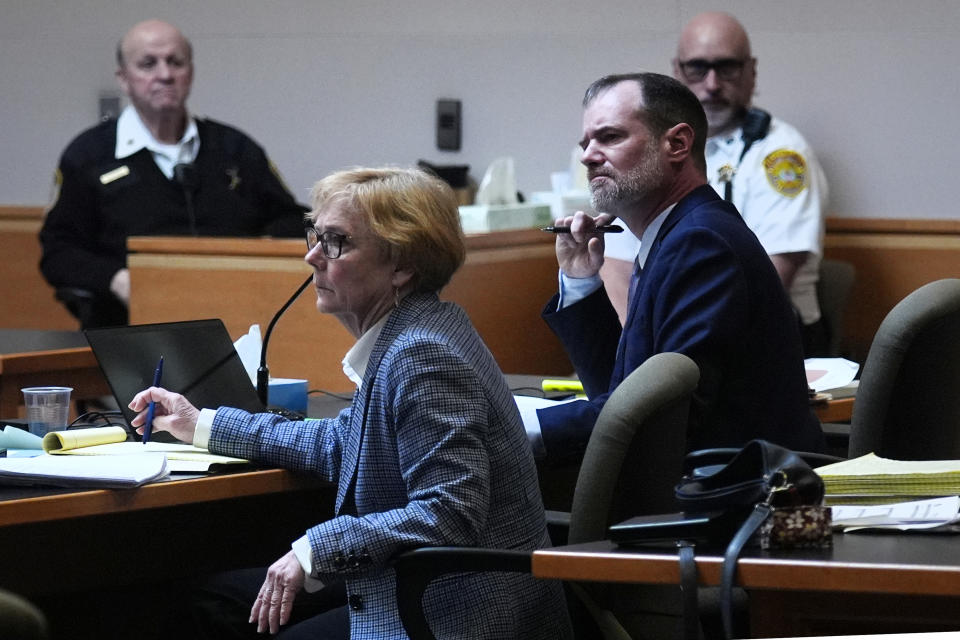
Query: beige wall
point(324, 85)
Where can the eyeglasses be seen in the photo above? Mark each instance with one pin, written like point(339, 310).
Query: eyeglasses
point(331, 243)
point(697, 69)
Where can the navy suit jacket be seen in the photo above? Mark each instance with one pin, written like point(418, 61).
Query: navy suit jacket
point(708, 290)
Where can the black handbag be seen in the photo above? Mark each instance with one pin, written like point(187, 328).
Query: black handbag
point(747, 487)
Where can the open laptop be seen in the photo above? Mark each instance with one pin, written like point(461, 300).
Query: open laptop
point(199, 361)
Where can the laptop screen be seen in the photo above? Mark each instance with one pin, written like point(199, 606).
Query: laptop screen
point(199, 361)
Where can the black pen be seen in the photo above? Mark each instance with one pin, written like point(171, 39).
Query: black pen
point(607, 228)
point(152, 407)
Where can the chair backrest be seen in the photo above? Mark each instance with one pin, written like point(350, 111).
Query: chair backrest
point(908, 401)
point(635, 454)
point(833, 291)
point(20, 619)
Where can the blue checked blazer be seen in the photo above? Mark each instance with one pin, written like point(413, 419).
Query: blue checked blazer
point(431, 452)
point(709, 291)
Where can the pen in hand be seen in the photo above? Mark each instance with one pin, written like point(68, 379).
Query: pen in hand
point(148, 423)
point(607, 228)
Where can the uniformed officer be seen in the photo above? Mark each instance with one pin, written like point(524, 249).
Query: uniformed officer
point(154, 170)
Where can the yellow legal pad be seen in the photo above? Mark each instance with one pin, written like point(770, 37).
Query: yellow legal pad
point(109, 441)
point(872, 479)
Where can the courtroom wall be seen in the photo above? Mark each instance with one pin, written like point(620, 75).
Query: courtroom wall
point(323, 85)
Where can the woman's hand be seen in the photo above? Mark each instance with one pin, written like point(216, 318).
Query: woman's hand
point(173, 413)
point(274, 603)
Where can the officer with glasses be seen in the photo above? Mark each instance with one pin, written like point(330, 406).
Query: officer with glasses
point(761, 164)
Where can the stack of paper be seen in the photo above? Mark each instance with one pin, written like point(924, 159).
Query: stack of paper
point(108, 472)
point(870, 479)
point(935, 514)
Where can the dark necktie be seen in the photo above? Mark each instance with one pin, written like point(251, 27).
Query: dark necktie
point(634, 281)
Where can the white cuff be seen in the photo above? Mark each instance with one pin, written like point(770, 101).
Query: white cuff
point(201, 435)
point(573, 290)
point(301, 549)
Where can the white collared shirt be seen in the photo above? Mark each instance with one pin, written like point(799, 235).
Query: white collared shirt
point(356, 360)
point(133, 135)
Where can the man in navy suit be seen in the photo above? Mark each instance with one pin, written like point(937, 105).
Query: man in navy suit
point(702, 286)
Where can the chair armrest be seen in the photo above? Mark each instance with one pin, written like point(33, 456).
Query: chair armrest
point(416, 569)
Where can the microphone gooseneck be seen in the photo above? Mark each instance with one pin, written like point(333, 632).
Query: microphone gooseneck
point(263, 373)
point(186, 176)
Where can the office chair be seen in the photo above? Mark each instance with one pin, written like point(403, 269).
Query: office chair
point(908, 400)
point(631, 464)
point(833, 291)
point(19, 619)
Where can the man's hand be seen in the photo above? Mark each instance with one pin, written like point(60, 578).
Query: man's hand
point(580, 252)
point(274, 603)
point(120, 286)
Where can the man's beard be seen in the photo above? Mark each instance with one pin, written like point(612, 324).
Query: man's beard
point(723, 117)
point(635, 186)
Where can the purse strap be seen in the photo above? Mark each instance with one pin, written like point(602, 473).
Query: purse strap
point(730, 558)
point(689, 582)
point(688, 590)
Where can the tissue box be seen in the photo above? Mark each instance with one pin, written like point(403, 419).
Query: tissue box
point(289, 393)
point(566, 203)
point(481, 218)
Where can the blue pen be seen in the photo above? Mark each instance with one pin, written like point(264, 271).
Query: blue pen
point(148, 425)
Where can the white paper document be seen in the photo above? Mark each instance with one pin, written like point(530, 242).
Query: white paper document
point(918, 514)
point(829, 373)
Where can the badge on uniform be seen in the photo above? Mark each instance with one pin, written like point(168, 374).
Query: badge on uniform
point(786, 172)
point(725, 173)
point(234, 174)
point(115, 174)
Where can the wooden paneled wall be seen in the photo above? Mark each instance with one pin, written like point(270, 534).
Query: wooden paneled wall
point(505, 281)
point(26, 300)
point(892, 258)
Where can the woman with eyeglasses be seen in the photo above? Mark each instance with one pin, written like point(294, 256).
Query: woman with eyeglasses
point(431, 451)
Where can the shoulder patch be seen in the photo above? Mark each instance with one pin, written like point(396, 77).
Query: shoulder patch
point(55, 188)
point(786, 172)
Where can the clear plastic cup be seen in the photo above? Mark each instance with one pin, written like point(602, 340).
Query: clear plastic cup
point(48, 408)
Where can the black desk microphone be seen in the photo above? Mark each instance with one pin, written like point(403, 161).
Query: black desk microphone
point(263, 373)
point(186, 176)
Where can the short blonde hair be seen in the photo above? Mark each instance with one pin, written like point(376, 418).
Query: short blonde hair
point(414, 214)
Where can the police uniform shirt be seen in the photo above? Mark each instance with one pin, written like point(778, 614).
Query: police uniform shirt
point(780, 190)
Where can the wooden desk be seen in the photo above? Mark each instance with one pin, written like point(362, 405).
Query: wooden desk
point(40, 358)
point(834, 410)
point(503, 285)
point(27, 506)
point(161, 531)
point(865, 584)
